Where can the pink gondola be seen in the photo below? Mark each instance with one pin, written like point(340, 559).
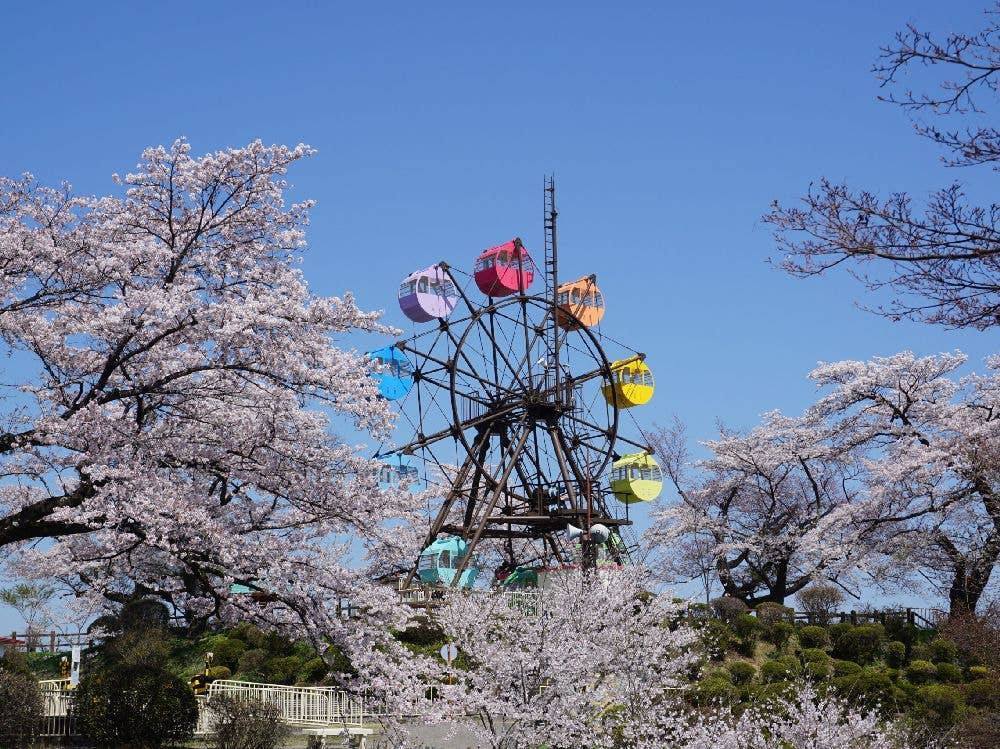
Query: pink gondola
point(427, 294)
point(504, 270)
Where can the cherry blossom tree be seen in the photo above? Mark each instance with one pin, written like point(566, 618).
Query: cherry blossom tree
point(585, 661)
point(939, 260)
point(777, 503)
point(931, 442)
point(172, 390)
point(894, 473)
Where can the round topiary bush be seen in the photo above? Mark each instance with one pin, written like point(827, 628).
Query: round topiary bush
point(713, 692)
point(815, 655)
point(747, 629)
point(226, 651)
point(313, 670)
point(949, 673)
point(940, 702)
point(845, 668)
point(728, 608)
point(284, 670)
point(777, 670)
point(861, 644)
point(134, 705)
point(770, 612)
point(836, 631)
point(869, 687)
point(921, 672)
point(252, 663)
point(816, 670)
point(742, 672)
point(943, 650)
point(895, 653)
point(779, 633)
point(813, 636)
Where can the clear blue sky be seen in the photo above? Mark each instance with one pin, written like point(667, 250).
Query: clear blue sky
point(670, 128)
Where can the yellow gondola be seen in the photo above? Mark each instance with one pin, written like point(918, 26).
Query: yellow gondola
point(631, 383)
point(581, 304)
point(636, 478)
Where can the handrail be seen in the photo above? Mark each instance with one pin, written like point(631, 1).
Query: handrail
point(316, 706)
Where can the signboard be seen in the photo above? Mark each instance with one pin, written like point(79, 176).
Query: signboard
point(449, 652)
point(74, 668)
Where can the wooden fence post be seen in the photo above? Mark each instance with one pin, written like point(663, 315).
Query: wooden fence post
point(52, 641)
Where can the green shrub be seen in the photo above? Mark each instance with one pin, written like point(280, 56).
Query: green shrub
point(741, 672)
point(747, 629)
point(845, 668)
point(777, 670)
point(728, 608)
point(713, 692)
point(869, 687)
point(940, 702)
point(340, 663)
point(243, 724)
point(20, 707)
point(218, 672)
point(249, 635)
point(717, 639)
point(861, 644)
point(921, 652)
point(313, 670)
point(774, 693)
point(815, 655)
point(813, 636)
point(226, 651)
point(949, 673)
point(921, 672)
point(895, 653)
point(252, 663)
point(283, 670)
point(836, 631)
point(779, 633)
point(770, 612)
point(979, 672)
point(817, 670)
point(719, 672)
point(144, 614)
point(943, 650)
point(134, 705)
point(982, 693)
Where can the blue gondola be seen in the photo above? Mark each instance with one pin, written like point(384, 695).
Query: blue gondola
point(439, 562)
point(396, 380)
point(397, 469)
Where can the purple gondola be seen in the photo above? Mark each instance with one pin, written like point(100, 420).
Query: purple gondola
point(427, 294)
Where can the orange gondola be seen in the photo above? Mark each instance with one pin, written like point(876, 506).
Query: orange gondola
point(581, 304)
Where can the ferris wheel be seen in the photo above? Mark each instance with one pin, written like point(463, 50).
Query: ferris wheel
point(512, 404)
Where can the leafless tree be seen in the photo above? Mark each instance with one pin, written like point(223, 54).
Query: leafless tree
point(940, 261)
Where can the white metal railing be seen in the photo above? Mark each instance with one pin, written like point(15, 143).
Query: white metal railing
point(57, 699)
point(310, 706)
point(527, 600)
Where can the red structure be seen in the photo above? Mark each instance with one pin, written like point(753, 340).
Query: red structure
point(504, 270)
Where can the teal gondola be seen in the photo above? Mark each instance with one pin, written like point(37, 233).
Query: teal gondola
point(439, 563)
